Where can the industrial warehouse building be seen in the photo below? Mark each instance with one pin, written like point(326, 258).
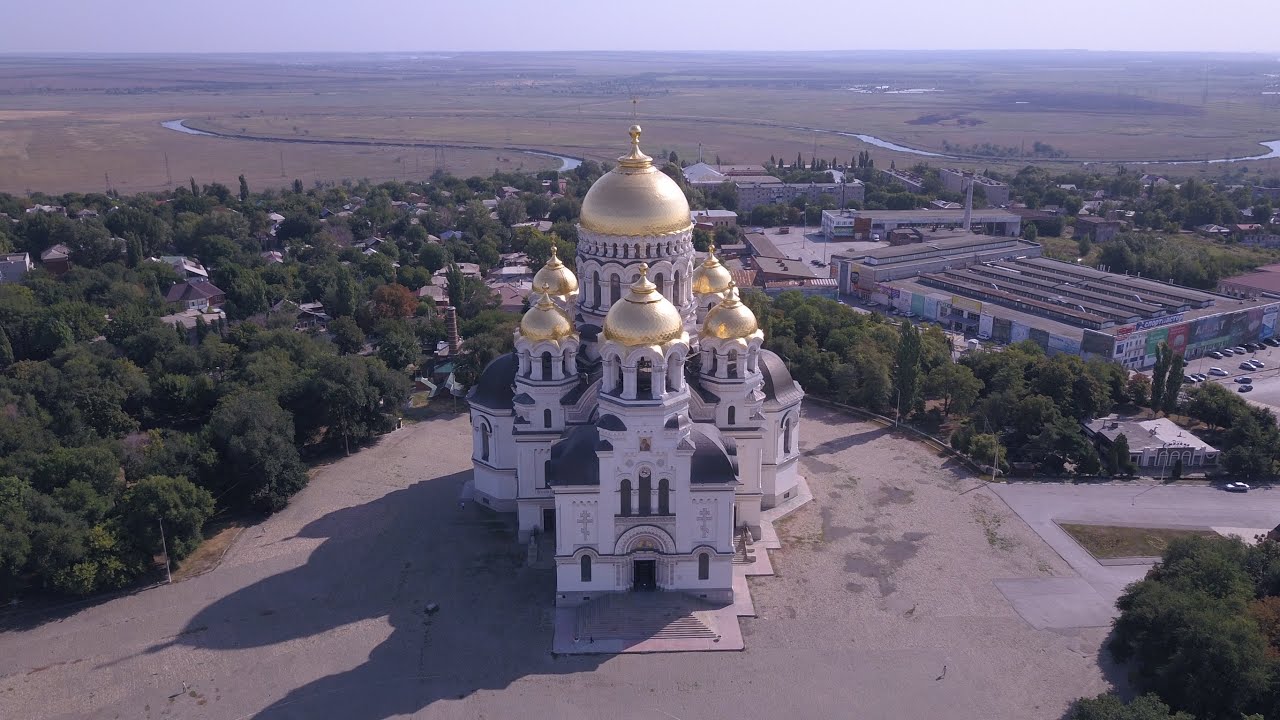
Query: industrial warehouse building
point(866, 224)
point(1000, 289)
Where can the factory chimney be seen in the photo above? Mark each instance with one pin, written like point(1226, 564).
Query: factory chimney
point(451, 324)
point(968, 200)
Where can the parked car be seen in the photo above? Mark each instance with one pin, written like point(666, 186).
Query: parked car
point(1258, 364)
point(1244, 388)
point(1236, 487)
point(1272, 342)
point(1200, 377)
point(1239, 350)
point(1246, 366)
point(1188, 380)
point(1226, 352)
point(1244, 380)
point(1218, 371)
point(1216, 355)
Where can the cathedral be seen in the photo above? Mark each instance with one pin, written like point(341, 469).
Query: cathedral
point(639, 423)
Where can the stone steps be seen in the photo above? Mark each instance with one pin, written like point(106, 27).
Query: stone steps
point(642, 616)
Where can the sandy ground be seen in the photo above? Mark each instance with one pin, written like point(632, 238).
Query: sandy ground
point(884, 606)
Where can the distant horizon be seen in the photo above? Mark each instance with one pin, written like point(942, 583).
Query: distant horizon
point(727, 51)
point(238, 27)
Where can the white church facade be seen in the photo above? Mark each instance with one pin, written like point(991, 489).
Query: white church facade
point(639, 419)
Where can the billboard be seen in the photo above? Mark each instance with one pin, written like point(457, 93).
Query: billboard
point(1268, 325)
point(1154, 338)
point(1058, 344)
point(1178, 335)
point(1040, 337)
point(966, 304)
point(1001, 330)
point(1019, 333)
point(984, 325)
point(1096, 343)
point(917, 306)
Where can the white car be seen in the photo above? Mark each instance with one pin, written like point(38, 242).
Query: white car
point(1258, 364)
point(1237, 487)
point(1218, 371)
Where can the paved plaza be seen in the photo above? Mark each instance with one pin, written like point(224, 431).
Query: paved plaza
point(1089, 600)
point(884, 605)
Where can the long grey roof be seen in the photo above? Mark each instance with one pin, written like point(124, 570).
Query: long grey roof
point(711, 462)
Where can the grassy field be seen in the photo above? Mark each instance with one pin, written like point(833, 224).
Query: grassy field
point(1109, 541)
point(66, 123)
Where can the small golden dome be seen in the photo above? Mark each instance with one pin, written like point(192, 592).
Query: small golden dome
point(635, 198)
point(643, 316)
point(556, 276)
point(730, 319)
point(711, 276)
point(544, 320)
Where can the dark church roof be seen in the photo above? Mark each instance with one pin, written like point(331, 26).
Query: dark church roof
point(573, 459)
point(779, 387)
point(711, 462)
point(496, 387)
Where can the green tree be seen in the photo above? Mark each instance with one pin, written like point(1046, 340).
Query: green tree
point(254, 437)
point(955, 385)
point(433, 256)
point(1173, 383)
point(398, 347)
point(1121, 463)
point(6, 350)
point(1138, 389)
point(244, 189)
point(906, 369)
point(1111, 707)
point(183, 507)
point(347, 335)
point(1159, 375)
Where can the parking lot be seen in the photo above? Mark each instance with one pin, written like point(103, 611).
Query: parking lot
point(812, 245)
point(1266, 382)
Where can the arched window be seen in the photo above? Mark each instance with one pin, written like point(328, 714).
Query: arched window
point(786, 435)
point(546, 365)
point(626, 250)
point(595, 287)
point(546, 418)
point(586, 568)
point(733, 414)
point(733, 364)
point(664, 497)
point(624, 491)
point(657, 280)
point(615, 289)
point(485, 432)
point(646, 492)
point(637, 250)
point(676, 289)
point(644, 379)
point(704, 566)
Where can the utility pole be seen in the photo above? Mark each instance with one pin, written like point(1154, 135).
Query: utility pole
point(168, 177)
point(164, 546)
point(281, 163)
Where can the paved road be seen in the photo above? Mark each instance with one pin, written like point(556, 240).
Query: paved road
point(1042, 506)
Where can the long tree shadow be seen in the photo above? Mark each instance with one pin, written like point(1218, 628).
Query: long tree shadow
point(396, 557)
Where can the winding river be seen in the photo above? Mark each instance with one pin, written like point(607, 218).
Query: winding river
point(566, 162)
point(569, 163)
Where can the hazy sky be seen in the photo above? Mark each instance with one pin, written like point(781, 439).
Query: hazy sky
point(456, 25)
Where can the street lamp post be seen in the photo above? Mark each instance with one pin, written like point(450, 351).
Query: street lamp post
point(897, 408)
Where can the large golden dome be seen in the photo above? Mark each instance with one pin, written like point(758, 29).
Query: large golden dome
point(711, 276)
point(635, 198)
point(544, 320)
point(643, 316)
point(558, 278)
point(731, 319)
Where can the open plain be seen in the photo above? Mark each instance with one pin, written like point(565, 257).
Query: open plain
point(885, 605)
point(83, 124)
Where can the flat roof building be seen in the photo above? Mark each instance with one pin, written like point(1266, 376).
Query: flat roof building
point(862, 224)
point(910, 181)
point(751, 194)
point(14, 267)
point(997, 193)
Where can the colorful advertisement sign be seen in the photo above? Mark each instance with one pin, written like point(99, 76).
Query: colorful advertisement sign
point(1178, 337)
point(1154, 338)
point(966, 304)
point(1096, 343)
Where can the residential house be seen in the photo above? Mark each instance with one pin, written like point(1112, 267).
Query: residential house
point(1155, 446)
point(184, 266)
point(56, 259)
point(189, 320)
point(14, 267)
point(714, 218)
point(196, 293)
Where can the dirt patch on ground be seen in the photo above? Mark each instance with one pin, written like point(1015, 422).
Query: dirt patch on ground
point(953, 119)
point(1111, 541)
point(210, 553)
